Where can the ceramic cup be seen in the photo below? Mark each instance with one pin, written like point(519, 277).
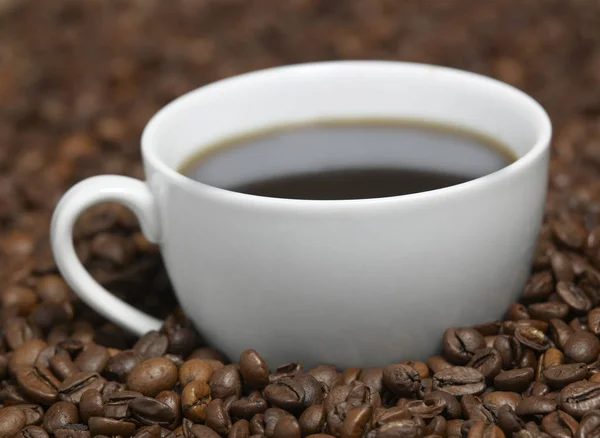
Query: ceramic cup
point(350, 282)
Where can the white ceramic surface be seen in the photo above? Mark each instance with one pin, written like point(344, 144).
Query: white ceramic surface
point(354, 283)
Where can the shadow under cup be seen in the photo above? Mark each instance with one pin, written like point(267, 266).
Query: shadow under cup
point(358, 282)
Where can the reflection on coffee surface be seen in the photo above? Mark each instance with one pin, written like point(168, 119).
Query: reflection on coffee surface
point(347, 159)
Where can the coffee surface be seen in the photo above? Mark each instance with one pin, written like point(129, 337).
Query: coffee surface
point(348, 159)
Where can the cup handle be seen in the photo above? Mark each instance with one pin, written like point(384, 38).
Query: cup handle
point(133, 194)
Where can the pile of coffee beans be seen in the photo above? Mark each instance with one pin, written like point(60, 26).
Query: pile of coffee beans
point(78, 81)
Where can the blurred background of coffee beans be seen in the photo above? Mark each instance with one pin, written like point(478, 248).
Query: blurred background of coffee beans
point(79, 79)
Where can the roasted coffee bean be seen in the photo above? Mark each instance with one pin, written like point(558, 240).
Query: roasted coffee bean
point(560, 376)
point(426, 409)
point(254, 370)
point(539, 286)
point(153, 376)
point(481, 429)
point(559, 332)
point(510, 350)
point(594, 320)
point(535, 406)
point(180, 333)
point(501, 398)
point(110, 427)
point(31, 432)
point(373, 377)
point(271, 418)
point(355, 424)
point(312, 420)
point(569, 233)
point(247, 407)
point(33, 413)
point(452, 407)
point(200, 431)
point(217, 417)
point(173, 400)
point(473, 409)
point(288, 370)
point(350, 375)
point(288, 427)
point(516, 380)
point(240, 429)
point(226, 382)
point(119, 366)
point(25, 355)
point(148, 411)
point(487, 361)
point(313, 394)
point(93, 358)
point(194, 399)
point(206, 353)
point(91, 405)
point(19, 331)
point(548, 311)
point(38, 383)
point(21, 298)
point(195, 369)
point(401, 379)
point(47, 315)
point(589, 427)
point(409, 428)
point(152, 344)
point(562, 267)
point(488, 328)
point(582, 347)
point(459, 381)
point(460, 344)
point(62, 366)
point(559, 424)
point(437, 427)
point(148, 432)
point(72, 388)
point(517, 311)
point(11, 394)
point(552, 357)
point(572, 295)
point(257, 425)
point(53, 289)
point(286, 393)
point(510, 327)
point(580, 397)
point(327, 375)
point(578, 325)
point(532, 338)
point(12, 420)
point(60, 415)
point(383, 416)
point(508, 420)
point(438, 363)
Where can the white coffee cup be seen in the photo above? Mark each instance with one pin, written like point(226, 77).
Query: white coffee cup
point(350, 282)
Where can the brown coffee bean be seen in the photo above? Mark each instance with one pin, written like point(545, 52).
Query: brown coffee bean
point(239, 429)
point(18, 331)
point(426, 409)
point(59, 415)
point(12, 420)
point(487, 361)
point(271, 418)
point(110, 427)
point(195, 369)
point(548, 310)
point(539, 286)
point(287, 427)
point(152, 344)
point(552, 357)
point(257, 425)
point(38, 383)
point(356, 422)
point(589, 427)
point(501, 398)
point(559, 424)
point(559, 332)
point(481, 429)
point(217, 417)
point(568, 233)
point(572, 295)
point(31, 432)
point(560, 376)
point(226, 382)
point(582, 347)
point(254, 370)
point(286, 393)
point(532, 338)
point(25, 355)
point(562, 267)
point(118, 367)
point(194, 399)
point(200, 431)
point(206, 353)
point(452, 408)
point(52, 289)
point(34, 414)
point(113, 248)
point(149, 411)
point(508, 420)
point(510, 350)
point(148, 432)
point(517, 311)
point(535, 406)
point(401, 379)
point(459, 381)
point(62, 366)
point(383, 416)
point(74, 431)
point(579, 397)
point(594, 320)
point(91, 405)
point(153, 376)
point(288, 370)
point(578, 325)
point(246, 407)
point(327, 375)
point(460, 344)
point(116, 403)
point(21, 298)
point(410, 428)
point(312, 420)
point(93, 358)
point(72, 388)
point(350, 375)
point(373, 377)
point(516, 380)
point(438, 363)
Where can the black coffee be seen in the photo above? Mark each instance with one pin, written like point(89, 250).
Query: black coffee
point(352, 159)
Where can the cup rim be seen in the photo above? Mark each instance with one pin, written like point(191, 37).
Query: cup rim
point(542, 142)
